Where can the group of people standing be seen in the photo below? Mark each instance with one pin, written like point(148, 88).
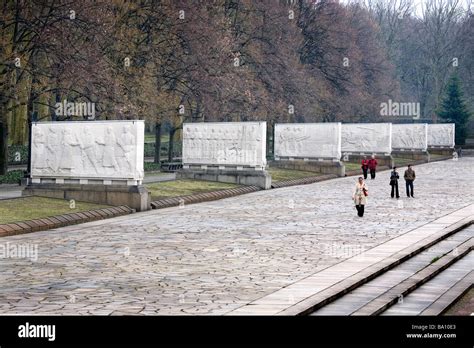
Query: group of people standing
point(361, 191)
point(367, 165)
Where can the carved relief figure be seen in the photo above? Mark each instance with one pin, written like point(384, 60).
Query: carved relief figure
point(86, 150)
point(188, 142)
point(441, 135)
point(212, 144)
point(54, 149)
point(349, 138)
point(216, 144)
point(69, 141)
point(108, 157)
point(310, 140)
point(251, 140)
point(294, 141)
point(364, 139)
point(39, 144)
point(127, 143)
point(89, 153)
point(408, 137)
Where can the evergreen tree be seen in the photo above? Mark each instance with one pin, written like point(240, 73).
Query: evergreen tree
point(454, 110)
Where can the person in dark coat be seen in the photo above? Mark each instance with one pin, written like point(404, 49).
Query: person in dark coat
point(394, 182)
point(372, 167)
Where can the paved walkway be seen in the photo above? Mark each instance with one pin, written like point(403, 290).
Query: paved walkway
point(8, 191)
point(212, 258)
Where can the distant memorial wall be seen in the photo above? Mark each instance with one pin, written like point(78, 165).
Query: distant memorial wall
point(96, 150)
point(231, 152)
point(366, 138)
point(410, 137)
point(441, 135)
point(308, 141)
point(225, 144)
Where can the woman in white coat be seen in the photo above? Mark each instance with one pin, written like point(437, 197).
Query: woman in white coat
point(360, 196)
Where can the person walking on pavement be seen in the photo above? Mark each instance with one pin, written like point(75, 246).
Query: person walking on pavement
point(372, 167)
point(409, 178)
point(394, 182)
point(360, 196)
point(365, 166)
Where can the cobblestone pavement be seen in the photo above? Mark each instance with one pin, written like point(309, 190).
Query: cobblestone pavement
point(211, 258)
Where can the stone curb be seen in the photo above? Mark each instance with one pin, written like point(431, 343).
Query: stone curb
point(56, 221)
point(303, 181)
point(202, 197)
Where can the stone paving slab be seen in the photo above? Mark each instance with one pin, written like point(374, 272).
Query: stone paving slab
point(214, 257)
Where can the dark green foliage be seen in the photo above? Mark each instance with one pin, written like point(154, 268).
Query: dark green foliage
point(454, 110)
point(150, 166)
point(150, 149)
point(12, 177)
point(15, 151)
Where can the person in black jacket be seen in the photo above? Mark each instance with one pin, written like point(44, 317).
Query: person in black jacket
point(394, 182)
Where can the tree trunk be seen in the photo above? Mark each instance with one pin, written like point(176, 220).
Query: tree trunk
point(3, 148)
point(170, 144)
point(32, 116)
point(157, 142)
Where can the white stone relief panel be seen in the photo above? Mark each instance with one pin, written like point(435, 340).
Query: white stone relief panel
point(441, 134)
point(225, 143)
point(411, 136)
point(308, 140)
point(366, 137)
point(88, 150)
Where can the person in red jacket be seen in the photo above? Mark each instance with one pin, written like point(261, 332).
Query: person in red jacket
point(365, 166)
point(372, 167)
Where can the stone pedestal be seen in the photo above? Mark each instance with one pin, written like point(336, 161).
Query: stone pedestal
point(414, 155)
point(445, 151)
point(232, 175)
point(311, 165)
point(136, 196)
point(382, 160)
